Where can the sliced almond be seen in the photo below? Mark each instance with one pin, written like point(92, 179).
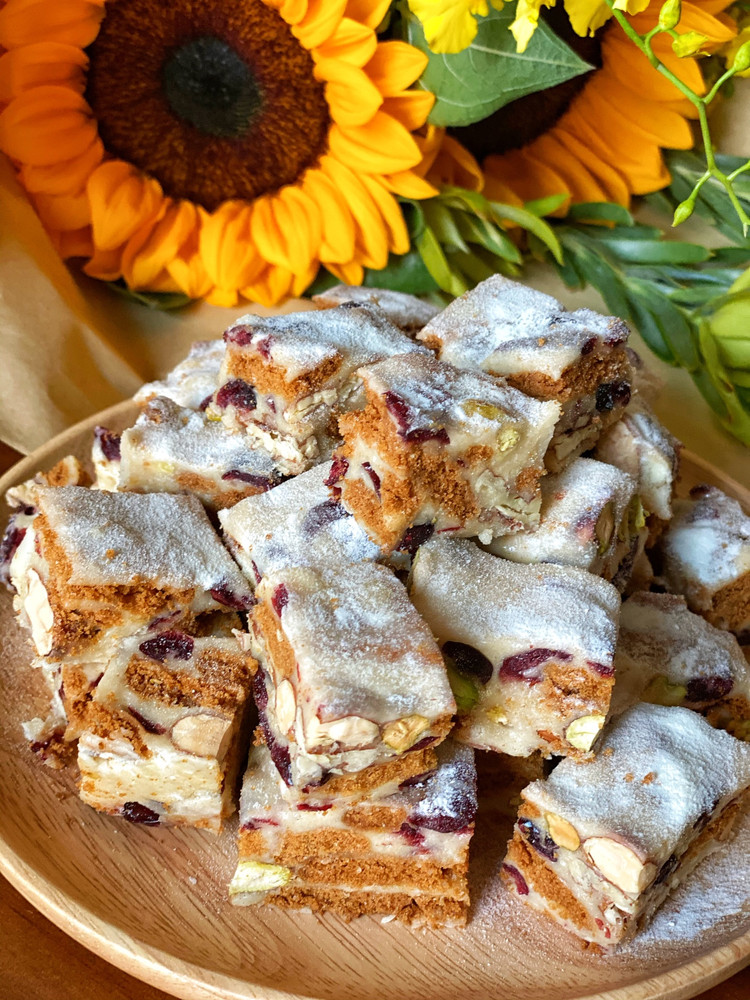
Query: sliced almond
point(404, 733)
point(202, 735)
point(562, 832)
point(352, 731)
point(37, 607)
point(619, 865)
point(582, 732)
point(285, 706)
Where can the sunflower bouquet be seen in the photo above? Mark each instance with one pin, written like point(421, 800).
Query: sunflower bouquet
point(261, 149)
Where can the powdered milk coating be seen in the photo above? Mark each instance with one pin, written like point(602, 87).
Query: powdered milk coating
point(688, 768)
point(193, 380)
point(570, 531)
point(361, 647)
point(172, 434)
point(407, 312)
point(295, 524)
point(115, 539)
point(506, 328)
point(706, 546)
point(546, 606)
point(358, 334)
point(660, 637)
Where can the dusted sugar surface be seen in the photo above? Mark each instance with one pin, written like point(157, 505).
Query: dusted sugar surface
point(504, 327)
point(193, 380)
point(546, 606)
point(569, 531)
point(358, 334)
point(707, 544)
point(167, 432)
point(115, 539)
point(658, 772)
point(295, 524)
point(407, 311)
point(361, 647)
point(660, 636)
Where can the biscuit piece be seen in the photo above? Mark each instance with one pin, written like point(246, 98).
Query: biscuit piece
point(439, 449)
point(402, 855)
point(285, 379)
point(193, 381)
point(165, 734)
point(351, 675)
point(529, 648)
point(599, 846)
point(576, 358)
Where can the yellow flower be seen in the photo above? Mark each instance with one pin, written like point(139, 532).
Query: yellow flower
point(219, 149)
point(599, 137)
point(586, 16)
point(450, 25)
point(731, 50)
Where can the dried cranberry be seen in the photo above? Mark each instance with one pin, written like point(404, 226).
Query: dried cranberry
point(399, 410)
point(262, 483)
point(701, 491)
point(602, 927)
point(460, 818)
point(416, 779)
point(136, 812)
point(157, 623)
point(601, 668)
point(338, 471)
point(280, 599)
point(373, 476)
point(260, 691)
point(310, 807)
point(425, 742)
point(528, 666)
point(224, 595)
point(539, 841)
point(150, 727)
point(258, 822)
point(263, 348)
point(108, 442)
point(321, 516)
point(410, 835)
point(256, 571)
point(611, 394)
point(415, 536)
point(236, 393)
point(666, 869)
point(175, 644)
point(240, 335)
point(469, 661)
point(279, 753)
point(521, 887)
point(708, 688)
point(588, 346)
point(420, 434)
point(11, 540)
point(204, 403)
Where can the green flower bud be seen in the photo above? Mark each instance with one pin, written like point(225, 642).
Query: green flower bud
point(688, 44)
point(683, 211)
point(741, 61)
point(670, 14)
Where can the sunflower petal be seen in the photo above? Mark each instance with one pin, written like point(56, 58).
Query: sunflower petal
point(353, 42)
point(74, 243)
point(395, 66)
point(299, 221)
point(44, 63)
point(63, 212)
point(410, 108)
point(337, 240)
point(293, 11)
point(104, 264)
point(73, 22)
point(643, 120)
point(383, 146)
point(320, 22)
point(122, 200)
point(371, 235)
point(398, 234)
point(352, 98)
point(270, 287)
point(607, 176)
point(350, 274)
point(227, 248)
point(68, 177)
point(150, 249)
point(409, 184)
point(454, 164)
point(369, 12)
point(47, 125)
point(530, 177)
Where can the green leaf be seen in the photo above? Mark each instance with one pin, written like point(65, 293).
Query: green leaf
point(437, 264)
point(403, 273)
point(600, 211)
point(656, 252)
point(470, 85)
point(545, 206)
point(440, 219)
point(527, 220)
point(153, 300)
point(492, 238)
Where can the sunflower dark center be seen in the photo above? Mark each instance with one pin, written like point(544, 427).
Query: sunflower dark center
point(218, 101)
point(207, 84)
point(522, 121)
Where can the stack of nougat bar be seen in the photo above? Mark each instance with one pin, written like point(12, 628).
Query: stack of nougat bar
point(441, 531)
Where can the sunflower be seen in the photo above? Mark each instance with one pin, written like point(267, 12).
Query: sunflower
point(599, 137)
point(219, 149)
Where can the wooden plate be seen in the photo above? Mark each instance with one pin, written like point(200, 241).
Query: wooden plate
point(153, 900)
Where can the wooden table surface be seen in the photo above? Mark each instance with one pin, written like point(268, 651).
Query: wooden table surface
point(39, 962)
